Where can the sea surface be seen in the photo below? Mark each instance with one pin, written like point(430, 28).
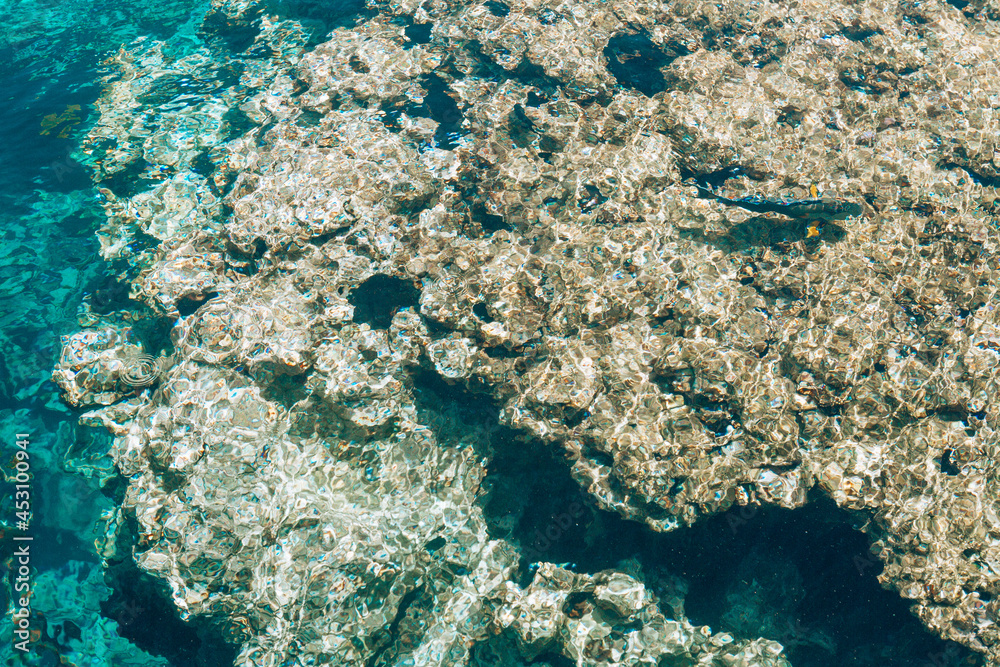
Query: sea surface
point(51, 56)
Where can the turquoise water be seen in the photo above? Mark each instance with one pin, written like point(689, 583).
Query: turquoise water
point(51, 58)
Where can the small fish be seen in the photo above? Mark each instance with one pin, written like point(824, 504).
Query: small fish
point(819, 208)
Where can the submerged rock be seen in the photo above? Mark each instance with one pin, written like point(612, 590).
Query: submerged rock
point(523, 189)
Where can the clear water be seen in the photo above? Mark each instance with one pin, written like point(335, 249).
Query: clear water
point(50, 67)
point(51, 56)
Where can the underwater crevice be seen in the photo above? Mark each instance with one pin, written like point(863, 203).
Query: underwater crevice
point(978, 178)
point(377, 300)
point(804, 577)
point(146, 615)
point(634, 60)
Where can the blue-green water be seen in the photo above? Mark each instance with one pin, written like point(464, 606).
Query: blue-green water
point(51, 58)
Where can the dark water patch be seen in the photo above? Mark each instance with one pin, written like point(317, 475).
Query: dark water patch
point(977, 177)
point(235, 123)
point(520, 127)
point(805, 577)
point(142, 241)
point(189, 305)
point(309, 118)
point(490, 223)
point(575, 419)
point(259, 248)
point(497, 8)
point(856, 31)
point(78, 228)
point(241, 262)
point(947, 466)
point(129, 182)
point(504, 649)
point(413, 633)
point(108, 294)
point(147, 617)
point(815, 586)
point(531, 500)
point(321, 239)
point(418, 33)
point(434, 394)
point(288, 390)
point(236, 34)
point(30, 93)
point(454, 411)
point(527, 72)
point(437, 105)
point(202, 164)
point(154, 333)
point(500, 353)
point(480, 311)
point(377, 300)
point(321, 17)
point(635, 61)
point(535, 75)
point(535, 100)
point(443, 109)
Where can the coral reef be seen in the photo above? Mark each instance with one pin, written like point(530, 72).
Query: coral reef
point(506, 202)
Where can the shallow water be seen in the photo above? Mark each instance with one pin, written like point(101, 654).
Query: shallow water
point(51, 58)
point(50, 66)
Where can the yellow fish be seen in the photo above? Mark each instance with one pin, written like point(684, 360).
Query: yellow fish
point(813, 229)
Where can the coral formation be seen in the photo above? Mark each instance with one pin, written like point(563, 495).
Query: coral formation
point(519, 177)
